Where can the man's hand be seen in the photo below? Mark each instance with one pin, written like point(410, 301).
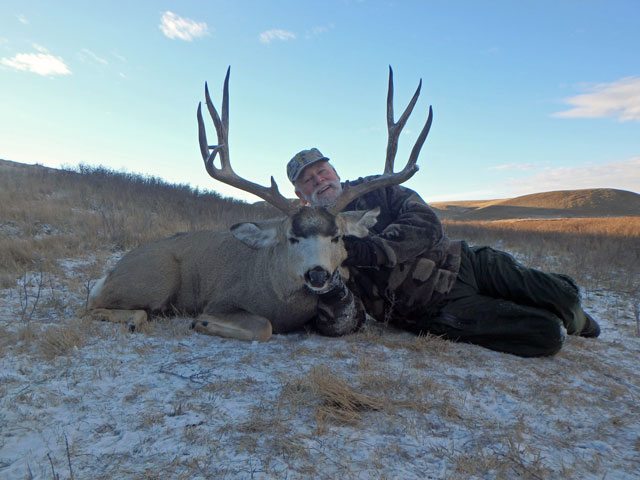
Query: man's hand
point(339, 311)
point(362, 252)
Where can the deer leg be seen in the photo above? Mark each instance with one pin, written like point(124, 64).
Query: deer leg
point(133, 319)
point(243, 326)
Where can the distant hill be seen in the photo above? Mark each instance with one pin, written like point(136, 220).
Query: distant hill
point(9, 166)
point(593, 202)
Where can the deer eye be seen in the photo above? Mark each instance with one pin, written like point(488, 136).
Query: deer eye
point(335, 239)
point(293, 241)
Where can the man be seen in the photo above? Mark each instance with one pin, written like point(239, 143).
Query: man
point(409, 273)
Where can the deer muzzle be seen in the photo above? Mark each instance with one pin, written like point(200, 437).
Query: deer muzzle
point(317, 278)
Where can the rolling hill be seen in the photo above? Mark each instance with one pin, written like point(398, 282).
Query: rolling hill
point(595, 202)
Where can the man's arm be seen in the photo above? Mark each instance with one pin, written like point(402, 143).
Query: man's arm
point(339, 311)
point(407, 227)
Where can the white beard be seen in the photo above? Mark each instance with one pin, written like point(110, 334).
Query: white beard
point(328, 197)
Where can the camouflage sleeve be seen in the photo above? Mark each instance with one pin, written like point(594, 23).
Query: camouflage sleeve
point(411, 227)
point(339, 311)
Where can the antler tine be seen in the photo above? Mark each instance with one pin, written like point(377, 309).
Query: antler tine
point(202, 135)
point(225, 173)
point(394, 129)
point(415, 151)
point(388, 178)
point(225, 101)
point(222, 127)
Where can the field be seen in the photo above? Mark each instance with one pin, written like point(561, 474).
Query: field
point(80, 399)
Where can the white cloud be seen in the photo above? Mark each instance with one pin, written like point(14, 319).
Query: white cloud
point(622, 174)
point(513, 166)
point(491, 51)
point(119, 57)
point(276, 34)
point(85, 54)
point(620, 99)
point(174, 26)
point(40, 63)
point(319, 30)
point(40, 48)
point(22, 19)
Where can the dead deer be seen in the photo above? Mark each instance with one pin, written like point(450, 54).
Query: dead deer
point(260, 277)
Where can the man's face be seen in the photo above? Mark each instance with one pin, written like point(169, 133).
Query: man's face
point(318, 184)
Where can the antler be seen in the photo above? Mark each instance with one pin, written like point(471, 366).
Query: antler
point(225, 173)
point(350, 193)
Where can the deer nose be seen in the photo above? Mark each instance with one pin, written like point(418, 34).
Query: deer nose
point(317, 277)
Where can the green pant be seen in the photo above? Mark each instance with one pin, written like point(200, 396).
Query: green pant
point(500, 304)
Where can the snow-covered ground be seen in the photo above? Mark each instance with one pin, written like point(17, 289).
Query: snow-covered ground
point(171, 403)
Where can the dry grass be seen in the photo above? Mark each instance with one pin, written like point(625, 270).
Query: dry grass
point(332, 399)
point(5, 339)
point(46, 341)
point(595, 251)
point(607, 226)
point(594, 202)
point(510, 461)
point(47, 214)
point(60, 340)
point(339, 401)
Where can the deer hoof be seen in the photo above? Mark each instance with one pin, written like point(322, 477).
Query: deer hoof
point(199, 323)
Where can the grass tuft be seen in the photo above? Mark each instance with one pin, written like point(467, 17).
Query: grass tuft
point(60, 340)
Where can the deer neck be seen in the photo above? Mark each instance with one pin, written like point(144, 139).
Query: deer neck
point(278, 275)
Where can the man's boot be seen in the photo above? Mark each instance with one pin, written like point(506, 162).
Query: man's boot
point(591, 328)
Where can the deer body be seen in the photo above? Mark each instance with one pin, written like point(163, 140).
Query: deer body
point(188, 273)
point(269, 282)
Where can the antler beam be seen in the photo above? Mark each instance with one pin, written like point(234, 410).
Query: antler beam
point(388, 178)
point(225, 173)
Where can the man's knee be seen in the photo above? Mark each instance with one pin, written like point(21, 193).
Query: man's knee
point(546, 337)
point(547, 347)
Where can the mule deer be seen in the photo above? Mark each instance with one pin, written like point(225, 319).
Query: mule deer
point(261, 277)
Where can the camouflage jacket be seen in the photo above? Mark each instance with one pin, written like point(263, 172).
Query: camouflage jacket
point(419, 263)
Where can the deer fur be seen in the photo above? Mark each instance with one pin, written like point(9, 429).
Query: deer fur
point(247, 283)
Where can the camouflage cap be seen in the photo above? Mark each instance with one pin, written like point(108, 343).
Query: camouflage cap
point(302, 160)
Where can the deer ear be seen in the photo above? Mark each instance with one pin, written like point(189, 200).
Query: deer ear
point(358, 223)
point(255, 235)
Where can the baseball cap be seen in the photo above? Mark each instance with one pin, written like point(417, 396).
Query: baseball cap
point(302, 160)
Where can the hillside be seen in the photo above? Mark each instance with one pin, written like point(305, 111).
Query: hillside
point(596, 202)
point(48, 213)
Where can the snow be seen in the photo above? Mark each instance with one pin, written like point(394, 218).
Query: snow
point(171, 403)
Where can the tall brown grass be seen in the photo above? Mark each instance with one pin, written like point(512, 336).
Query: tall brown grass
point(595, 251)
point(607, 226)
point(48, 214)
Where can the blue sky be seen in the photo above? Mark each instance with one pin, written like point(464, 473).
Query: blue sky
point(528, 96)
